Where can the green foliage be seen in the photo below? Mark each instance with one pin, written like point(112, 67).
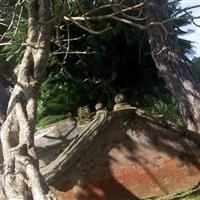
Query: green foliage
point(121, 62)
point(57, 7)
point(193, 197)
point(191, 194)
point(15, 34)
point(57, 96)
point(88, 79)
point(118, 61)
point(159, 103)
point(50, 119)
point(83, 112)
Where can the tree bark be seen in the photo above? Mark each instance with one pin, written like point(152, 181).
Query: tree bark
point(21, 179)
point(170, 62)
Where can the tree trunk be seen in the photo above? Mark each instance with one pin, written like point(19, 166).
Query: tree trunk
point(170, 62)
point(21, 179)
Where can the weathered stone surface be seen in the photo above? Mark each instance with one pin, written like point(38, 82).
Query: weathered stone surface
point(51, 141)
point(133, 157)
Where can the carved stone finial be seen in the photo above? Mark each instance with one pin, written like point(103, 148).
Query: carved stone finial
point(121, 103)
point(120, 98)
point(99, 106)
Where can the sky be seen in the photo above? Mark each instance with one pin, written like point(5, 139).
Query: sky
point(195, 37)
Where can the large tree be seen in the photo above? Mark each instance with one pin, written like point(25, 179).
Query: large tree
point(171, 62)
point(21, 178)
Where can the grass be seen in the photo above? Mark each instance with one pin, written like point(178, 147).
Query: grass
point(50, 119)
